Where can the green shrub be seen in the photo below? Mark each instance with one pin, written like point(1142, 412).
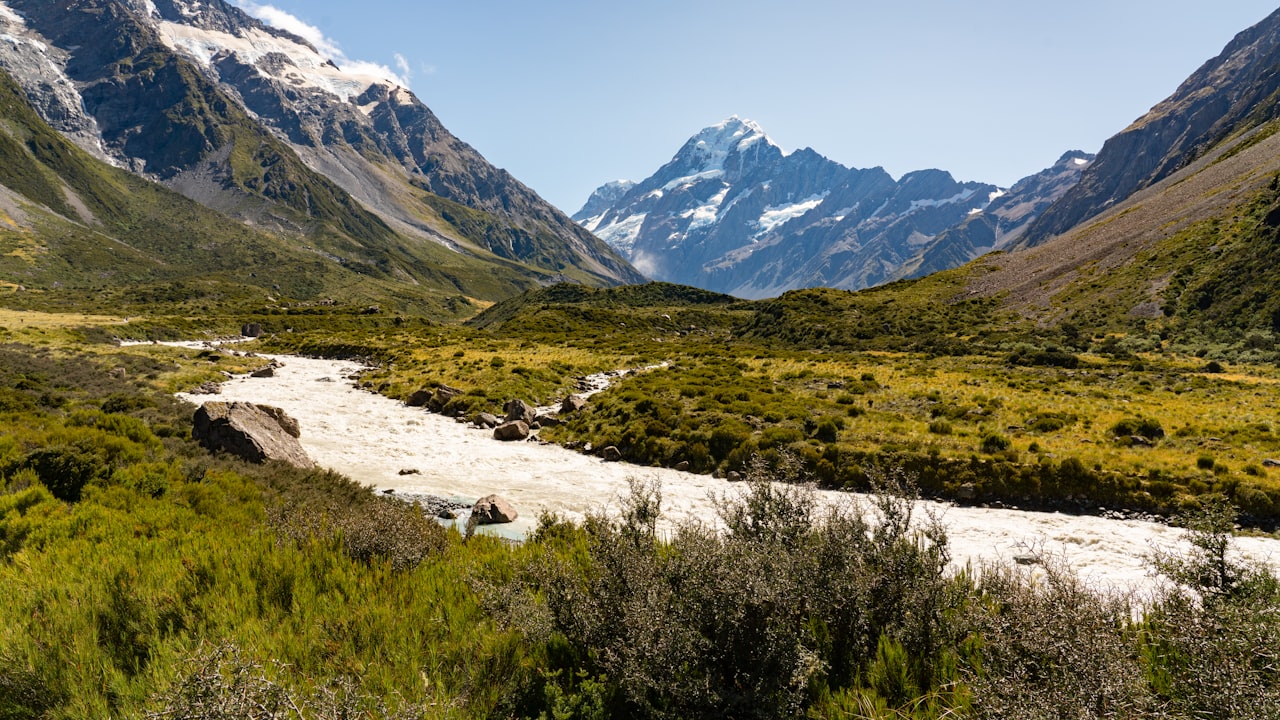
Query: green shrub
point(65, 470)
point(1140, 427)
point(994, 442)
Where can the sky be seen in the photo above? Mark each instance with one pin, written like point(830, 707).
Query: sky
point(569, 94)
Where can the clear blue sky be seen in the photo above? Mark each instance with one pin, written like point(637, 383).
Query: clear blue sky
point(569, 94)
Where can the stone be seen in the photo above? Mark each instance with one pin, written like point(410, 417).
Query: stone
point(546, 421)
point(253, 432)
point(209, 388)
point(410, 471)
point(967, 491)
point(1027, 559)
point(442, 396)
point(1271, 462)
point(419, 398)
point(266, 372)
point(734, 476)
point(493, 510)
point(507, 432)
point(682, 466)
point(519, 410)
point(572, 404)
point(486, 420)
point(287, 423)
point(611, 454)
point(252, 330)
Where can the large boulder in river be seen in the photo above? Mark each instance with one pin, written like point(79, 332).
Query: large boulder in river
point(253, 432)
point(520, 410)
point(493, 510)
point(512, 431)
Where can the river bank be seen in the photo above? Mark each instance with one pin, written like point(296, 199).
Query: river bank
point(388, 446)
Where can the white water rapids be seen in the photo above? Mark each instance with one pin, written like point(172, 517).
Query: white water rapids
point(371, 438)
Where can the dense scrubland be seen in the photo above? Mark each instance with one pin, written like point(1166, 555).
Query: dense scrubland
point(145, 577)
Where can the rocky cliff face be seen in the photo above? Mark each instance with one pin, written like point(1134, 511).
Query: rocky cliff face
point(1001, 223)
point(1232, 93)
point(257, 123)
point(732, 212)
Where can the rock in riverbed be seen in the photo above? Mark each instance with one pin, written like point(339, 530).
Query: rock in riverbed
point(254, 432)
point(508, 432)
point(493, 510)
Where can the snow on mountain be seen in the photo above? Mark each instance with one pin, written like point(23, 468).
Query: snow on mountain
point(24, 53)
point(733, 212)
point(281, 59)
point(1003, 221)
point(169, 88)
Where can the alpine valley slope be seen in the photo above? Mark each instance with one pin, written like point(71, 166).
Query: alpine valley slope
point(733, 213)
point(255, 123)
point(1175, 229)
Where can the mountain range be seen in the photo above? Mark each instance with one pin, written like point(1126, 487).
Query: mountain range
point(733, 213)
point(257, 125)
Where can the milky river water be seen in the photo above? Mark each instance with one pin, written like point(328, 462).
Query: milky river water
point(372, 439)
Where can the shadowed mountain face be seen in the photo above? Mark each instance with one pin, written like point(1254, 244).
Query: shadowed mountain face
point(1236, 91)
point(1003, 222)
point(257, 124)
point(732, 212)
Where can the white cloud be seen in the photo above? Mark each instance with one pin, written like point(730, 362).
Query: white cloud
point(329, 48)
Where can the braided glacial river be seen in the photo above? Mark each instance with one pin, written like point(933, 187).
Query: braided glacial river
point(372, 439)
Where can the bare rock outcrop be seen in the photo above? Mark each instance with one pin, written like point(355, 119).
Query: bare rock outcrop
point(254, 432)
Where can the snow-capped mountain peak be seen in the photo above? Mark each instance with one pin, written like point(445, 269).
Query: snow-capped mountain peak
point(714, 149)
point(732, 212)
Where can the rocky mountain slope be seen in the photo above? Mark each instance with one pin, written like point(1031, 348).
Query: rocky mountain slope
point(1003, 222)
point(257, 124)
point(75, 230)
point(732, 212)
point(1233, 93)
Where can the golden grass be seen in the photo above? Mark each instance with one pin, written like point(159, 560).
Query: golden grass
point(15, 320)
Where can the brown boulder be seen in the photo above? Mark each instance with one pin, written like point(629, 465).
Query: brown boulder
point(493, 510)
point(572, 404)
point(253, 432)
point(611, 454)
point(442, 396)
point(520, 410)
point(419, 398)
point(507, 432)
